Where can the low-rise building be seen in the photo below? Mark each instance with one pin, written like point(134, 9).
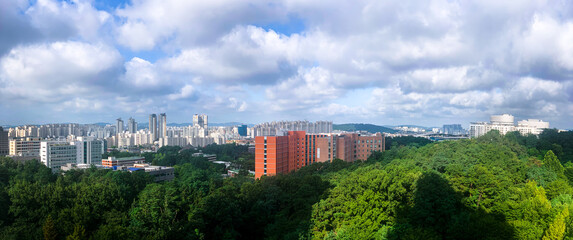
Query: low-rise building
point(113, 161)
point(160, 173)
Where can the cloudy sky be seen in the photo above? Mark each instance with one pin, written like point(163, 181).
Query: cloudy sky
point(389, 62)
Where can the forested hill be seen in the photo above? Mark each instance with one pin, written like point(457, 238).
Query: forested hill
point(493, 187)
point(362, 127)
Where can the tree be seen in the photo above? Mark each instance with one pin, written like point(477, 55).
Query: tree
point(49, 229)
point(79, 233)
point(556, 230)
point(551, 162)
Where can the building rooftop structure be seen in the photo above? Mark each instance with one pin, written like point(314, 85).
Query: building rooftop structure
point(506, 123)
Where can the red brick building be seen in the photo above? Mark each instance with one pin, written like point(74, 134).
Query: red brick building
point(282, 154)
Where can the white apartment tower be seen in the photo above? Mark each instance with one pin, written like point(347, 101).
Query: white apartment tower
point(200, 120)
point(119, 126)
point(131, 125)
point(162, 125)
point(153, 126)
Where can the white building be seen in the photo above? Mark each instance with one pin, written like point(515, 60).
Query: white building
point(89, 151)
point(531, 126)
point(506, 123)
point(57, 154)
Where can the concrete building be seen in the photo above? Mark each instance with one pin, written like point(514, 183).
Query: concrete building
point(531, 126)
point(162, 125)
point(453, 129)
point(200, 120)
point(119, 126)
point(153, 127)
point(282, 154)
point(242, 130)
point(89, 151)
point(279, 128)
point(25, 147)
point(4, 143)
point(159, 173)
point(57, 154)
point(128, 161)
point(131, 125)
point(506, 123)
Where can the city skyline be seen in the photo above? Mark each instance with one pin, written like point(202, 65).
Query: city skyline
point(425, 63)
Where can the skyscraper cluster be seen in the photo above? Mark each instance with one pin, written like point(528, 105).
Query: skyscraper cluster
point(158, 133)
point(158, 126)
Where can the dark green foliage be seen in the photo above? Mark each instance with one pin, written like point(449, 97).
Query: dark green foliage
point(408, 141)
point(351, 127)
point(118, 154)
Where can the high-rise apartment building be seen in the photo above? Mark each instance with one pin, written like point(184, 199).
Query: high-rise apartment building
point(4, 143)
point(282, 154)
point(153, 126)
point(200, 120)
point(242, 130)
point(131, 125)
point(278, 128)
point(162, 125)
point(119, 126)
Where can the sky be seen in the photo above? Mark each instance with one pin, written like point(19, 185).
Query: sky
point(386, 62)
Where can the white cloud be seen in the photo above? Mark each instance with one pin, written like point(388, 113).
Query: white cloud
point(51, 72)
point(186, 92)
point(140, 73)
point(187, 23)
point(61, 19)
point(452, 79)
point(544, 49)
point(308, 88)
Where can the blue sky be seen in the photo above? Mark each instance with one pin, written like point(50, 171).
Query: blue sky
point(383, 62)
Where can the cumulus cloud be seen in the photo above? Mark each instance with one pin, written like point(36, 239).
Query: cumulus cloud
point(186, 92)
point(452, 79)
point(140, 73)
point(187, 23)
point(53, 72)
point(248, 54)
point(309, 87)
point(62, 20)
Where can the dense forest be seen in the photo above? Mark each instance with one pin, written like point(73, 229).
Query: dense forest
point(493, 187)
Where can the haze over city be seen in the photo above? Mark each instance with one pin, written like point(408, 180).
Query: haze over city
point(382, 62)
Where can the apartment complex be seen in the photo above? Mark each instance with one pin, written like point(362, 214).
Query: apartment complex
point(282, 154)
point(506, 123)
point(278, 128)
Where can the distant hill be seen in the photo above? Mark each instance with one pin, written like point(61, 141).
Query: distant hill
point(362, 127)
